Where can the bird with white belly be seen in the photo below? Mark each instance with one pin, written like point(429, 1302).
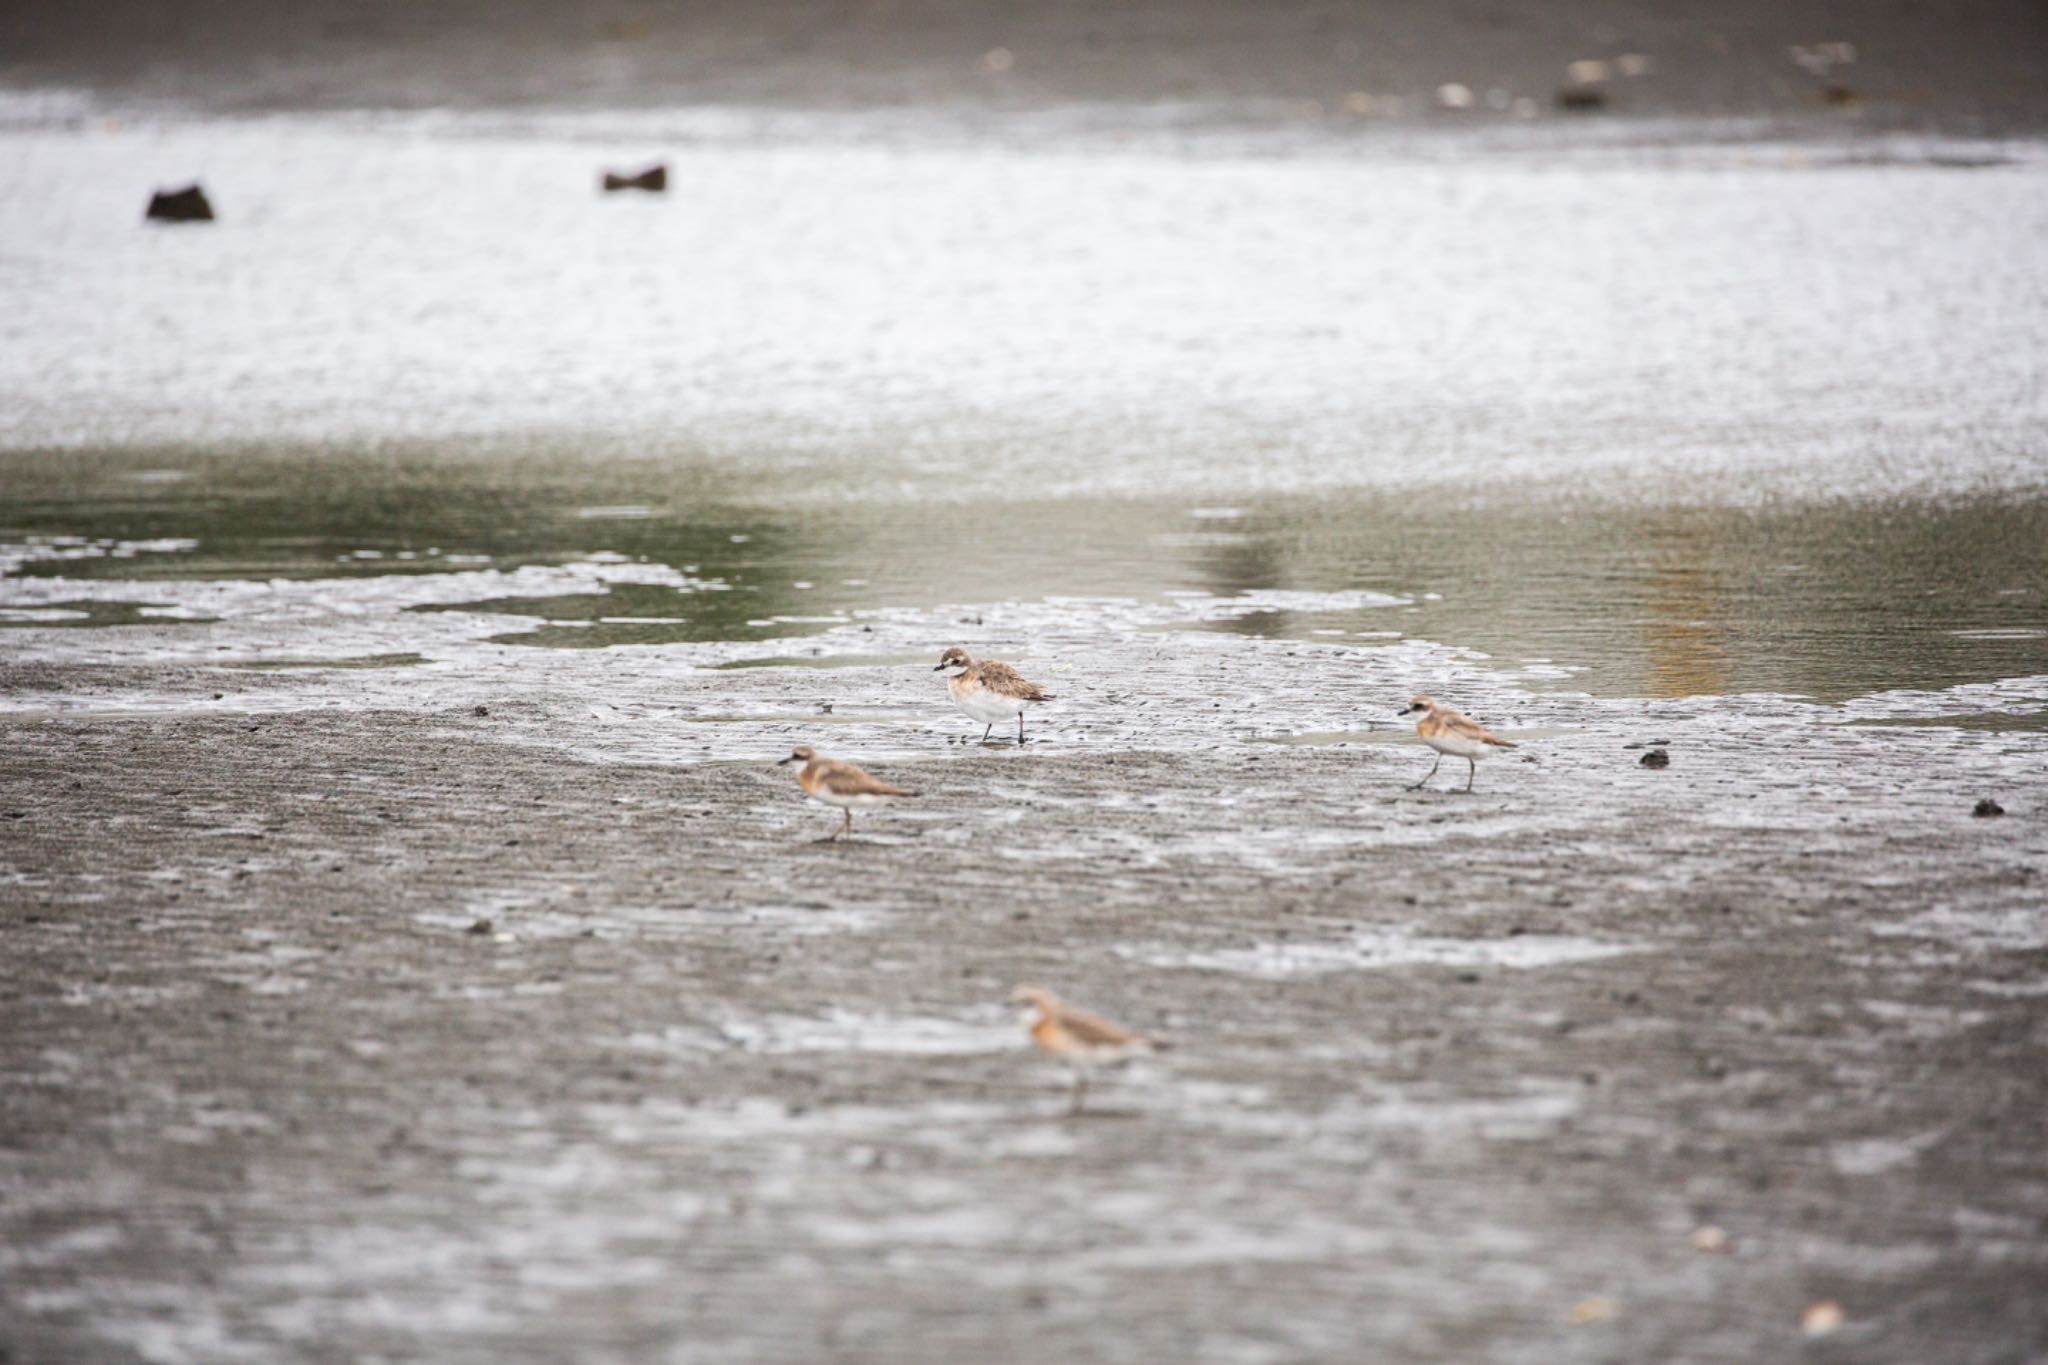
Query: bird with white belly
point(989, 691)
point(1450, 731)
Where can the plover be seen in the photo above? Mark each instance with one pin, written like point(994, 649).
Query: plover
point(1451, 732)
point(1082, 1040)
point(835, 782)
point(988, 691)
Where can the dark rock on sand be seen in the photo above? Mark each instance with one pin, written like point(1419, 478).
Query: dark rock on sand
point(1581, 99)
point(188, 205)
point(654, 180)
point(1986, 808)
point(1655, 758)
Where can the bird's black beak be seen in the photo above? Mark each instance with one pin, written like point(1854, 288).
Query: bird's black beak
point(784, 762)
point(940, 669)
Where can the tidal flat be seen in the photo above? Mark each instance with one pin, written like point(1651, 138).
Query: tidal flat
point(408, 581)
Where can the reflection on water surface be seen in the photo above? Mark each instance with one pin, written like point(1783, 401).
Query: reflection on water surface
point(1830, 598)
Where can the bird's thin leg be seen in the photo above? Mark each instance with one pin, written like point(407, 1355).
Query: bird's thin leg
point(1080, 1091)
point(846, 825)
point(987, 730)
point(1431, 773)
point(1020, 727)
point(1474, 766)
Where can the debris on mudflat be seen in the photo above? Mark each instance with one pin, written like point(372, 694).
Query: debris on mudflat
point(654, 180)
point(188, 205)
point(1599, 1308)
point(1821, 1319)
point(1655, 758)
point(1986, 808)
point(483, 710)
point(1581, 99)
point(481, 927)
point(1711, 1240)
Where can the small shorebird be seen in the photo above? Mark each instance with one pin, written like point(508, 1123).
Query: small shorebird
point(988, 691)
point(835, 782)
point(1451, 732)
point(1082, 1040)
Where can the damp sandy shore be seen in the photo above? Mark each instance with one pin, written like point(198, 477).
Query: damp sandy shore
point(415, 1034)
point(407, 581)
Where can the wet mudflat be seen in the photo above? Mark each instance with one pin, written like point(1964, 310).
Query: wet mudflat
point(376, 1034)
point(411, 953)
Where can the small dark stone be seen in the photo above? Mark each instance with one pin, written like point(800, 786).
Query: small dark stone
point(483, 710)
point(180, 206)
point(654, 180)
point(1655, 758)
point(1581, 99)
point(1841, 97)
point(1468, 978)
point(1987, 807)
point(482, 926)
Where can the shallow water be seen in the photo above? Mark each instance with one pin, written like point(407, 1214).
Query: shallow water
point(1829, 598)
point(1650, 419)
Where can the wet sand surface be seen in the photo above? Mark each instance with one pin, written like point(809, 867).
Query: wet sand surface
point(414, 1034)
point(407, 581)
point(1968, 68)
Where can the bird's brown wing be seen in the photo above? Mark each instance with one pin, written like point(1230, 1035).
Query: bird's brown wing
point(1008, 682)
point(1463, 726)
point(1096, 1031)
point(843, 779)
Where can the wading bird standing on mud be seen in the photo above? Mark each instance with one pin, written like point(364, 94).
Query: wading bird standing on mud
point(988, 691)
point(1082, 1040)
point(1451, 732)
point(833, 782)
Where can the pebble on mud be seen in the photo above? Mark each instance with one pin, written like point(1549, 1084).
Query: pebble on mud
point(1711, 1240)
point(1821, 1319)
point(654, 180)
point(483, 710)
point(1599, 1308)
point(481, 927)
point(1655, 758)
point(1581, 99)
point(1986, 808)
point(188, 205)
